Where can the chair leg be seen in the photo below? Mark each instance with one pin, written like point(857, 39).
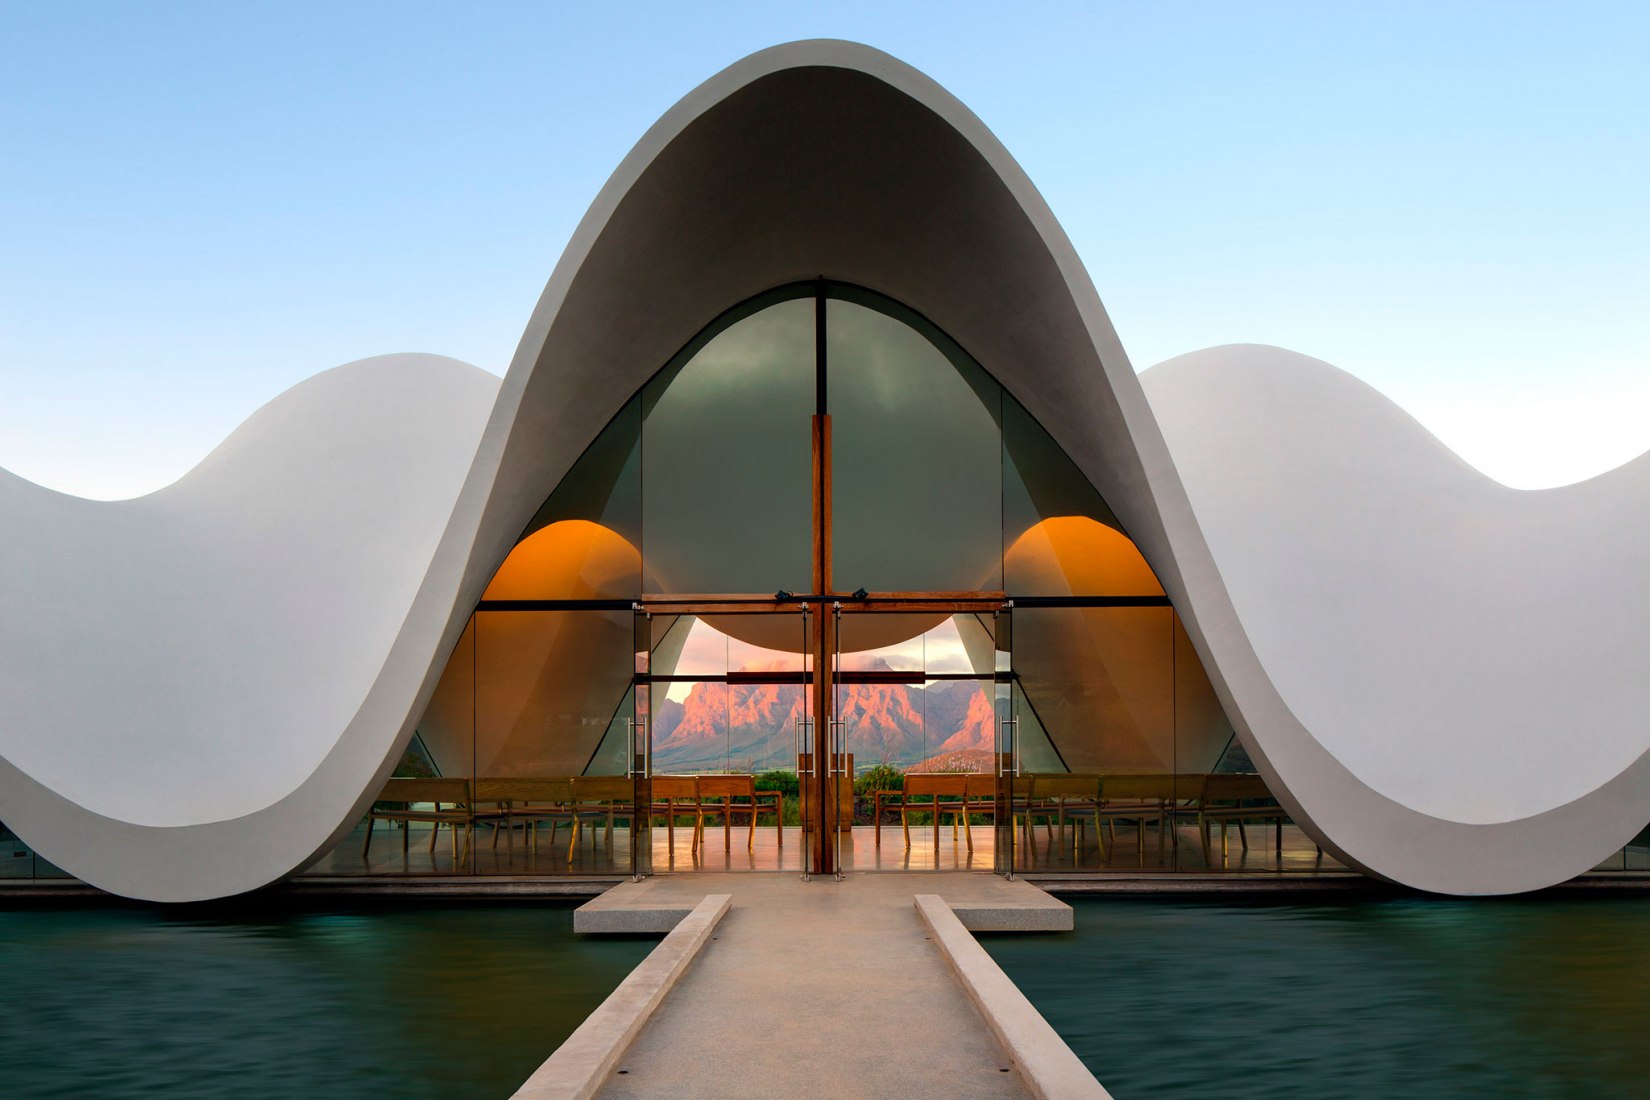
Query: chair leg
point(1243, 834)
point(367, 847)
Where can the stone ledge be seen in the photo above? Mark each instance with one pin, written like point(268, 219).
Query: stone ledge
point(581, 1065)
point(1047, 1064)
point(624, 920)
point(1051, 915)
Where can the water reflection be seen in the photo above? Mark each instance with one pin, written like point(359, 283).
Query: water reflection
point(1402, 997)
point(460, 1002)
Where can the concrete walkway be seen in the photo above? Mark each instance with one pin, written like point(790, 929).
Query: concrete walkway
point(823, 988)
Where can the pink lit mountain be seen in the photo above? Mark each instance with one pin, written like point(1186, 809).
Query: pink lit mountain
point(754, 726)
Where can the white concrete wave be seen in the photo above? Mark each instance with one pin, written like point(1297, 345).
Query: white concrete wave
point(1442, 679)
point(191, 655)
point(1474, 652)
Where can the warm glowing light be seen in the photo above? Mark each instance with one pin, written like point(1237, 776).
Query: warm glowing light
point(1078, 556)
point(572, 559)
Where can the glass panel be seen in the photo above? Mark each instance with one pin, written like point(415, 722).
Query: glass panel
point(1008, 797)
point(916, 490)
point(728, 458)
point(914, 690)
point(1096, 710)
point(916, 704)
point(585, 542)
point(729, 695)
point(553, 714)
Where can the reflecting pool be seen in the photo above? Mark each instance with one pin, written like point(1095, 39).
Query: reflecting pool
point(1411, 997)
point(421, 1002)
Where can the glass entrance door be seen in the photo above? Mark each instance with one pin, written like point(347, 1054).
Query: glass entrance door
point(1010, 789)
point(725, 699)
point(821, 734)
point(915, 685)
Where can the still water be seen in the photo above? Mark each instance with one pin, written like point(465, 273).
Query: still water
point(1410, 997)
point(434, 1002)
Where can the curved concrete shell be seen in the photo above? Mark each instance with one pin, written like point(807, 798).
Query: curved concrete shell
point(1442, 679)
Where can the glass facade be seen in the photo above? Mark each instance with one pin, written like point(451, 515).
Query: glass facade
point(822, 515)
point(1004, 678)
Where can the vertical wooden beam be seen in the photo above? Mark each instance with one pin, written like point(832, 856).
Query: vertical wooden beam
point(820, 805)
point(822, 504)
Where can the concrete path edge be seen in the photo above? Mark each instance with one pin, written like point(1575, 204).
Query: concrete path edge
point(1047, 1064)
point(581, 1065)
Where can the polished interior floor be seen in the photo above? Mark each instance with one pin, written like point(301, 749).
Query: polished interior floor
point(600, 851)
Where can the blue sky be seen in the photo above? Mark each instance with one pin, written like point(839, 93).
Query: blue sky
point(202, 204)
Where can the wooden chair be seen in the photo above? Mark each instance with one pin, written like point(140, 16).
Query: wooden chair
point(1234, 798)
point(408, 794)
point(670, 795)
point(945, 791)
point(724, 789)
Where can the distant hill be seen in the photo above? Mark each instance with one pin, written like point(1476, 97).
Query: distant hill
point(968, 760)
point(752, 727)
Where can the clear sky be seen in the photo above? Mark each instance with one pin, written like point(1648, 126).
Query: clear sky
point(202, 204)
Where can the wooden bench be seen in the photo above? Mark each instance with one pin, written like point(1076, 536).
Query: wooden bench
point(408, 794)
point(1235, 798)
point(1144, 797)
point(599, 797)
point(946, 792)
point(1059, 796)
point(529, 801)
